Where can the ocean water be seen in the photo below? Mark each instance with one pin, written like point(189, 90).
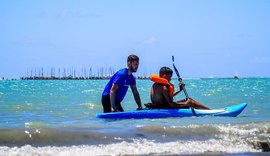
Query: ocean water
point(46, 117)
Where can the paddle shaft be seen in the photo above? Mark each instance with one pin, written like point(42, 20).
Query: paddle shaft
point(180, 80)
point(184, 89)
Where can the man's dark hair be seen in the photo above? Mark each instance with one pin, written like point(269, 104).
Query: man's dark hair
point(132, 58)
point(165, 70)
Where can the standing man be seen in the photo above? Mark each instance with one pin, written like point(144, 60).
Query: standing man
point(117, 87)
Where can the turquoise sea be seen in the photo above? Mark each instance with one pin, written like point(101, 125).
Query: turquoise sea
point(57, 117)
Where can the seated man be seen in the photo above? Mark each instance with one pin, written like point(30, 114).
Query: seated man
point(162, 92)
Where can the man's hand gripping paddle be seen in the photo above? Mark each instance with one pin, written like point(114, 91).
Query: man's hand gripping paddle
point(184, 89)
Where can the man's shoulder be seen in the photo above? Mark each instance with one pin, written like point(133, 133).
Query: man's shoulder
point(123, 70)
point(119, 73)
point(158, 86)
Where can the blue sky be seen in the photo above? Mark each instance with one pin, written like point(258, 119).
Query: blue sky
point(207, 37)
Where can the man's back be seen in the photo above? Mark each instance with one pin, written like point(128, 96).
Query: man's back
point(157, 94)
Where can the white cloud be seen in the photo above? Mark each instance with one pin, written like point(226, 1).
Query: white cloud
point(151, 40)
point(64, 13)
point(36, 42)
point(67, 13)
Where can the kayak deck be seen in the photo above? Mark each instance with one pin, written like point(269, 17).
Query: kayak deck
point(230, 111)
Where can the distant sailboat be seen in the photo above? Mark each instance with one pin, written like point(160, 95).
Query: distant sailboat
point(236, 76)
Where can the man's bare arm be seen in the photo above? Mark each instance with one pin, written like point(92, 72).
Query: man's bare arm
point(136, 96)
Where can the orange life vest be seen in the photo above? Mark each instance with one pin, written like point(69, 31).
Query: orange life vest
point(157, 79)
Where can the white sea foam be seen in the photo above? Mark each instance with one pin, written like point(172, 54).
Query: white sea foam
point(89, 91)
point(89, 105)
point(136, 147)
